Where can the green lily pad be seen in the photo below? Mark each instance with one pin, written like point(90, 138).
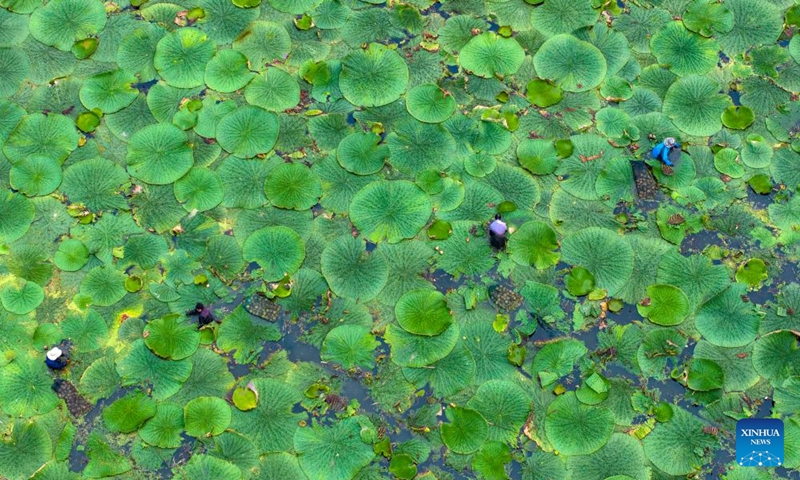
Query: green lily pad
point(684, 52)
point(128, 413)
point(542, 93)
point(351, 272)
point(430, 104)
point(534, 243)
point(574, 65)
point(181, 57)
point(278, 250)
point(361, 153)
point(577, 429)
point(488, 54)
point(402, 466)
point(752, 272)
point(373, 77)
point(665, 305)
point(61, 22)
point(332, 453)
point(466, 430)
point(704, 375)
point(738, 117)
point(390, 211)
point(206, 416)
point(423, 312)
point(349, 346)
point(169, 338)
point(164, 428)
point(248, 131)
point(245, 399)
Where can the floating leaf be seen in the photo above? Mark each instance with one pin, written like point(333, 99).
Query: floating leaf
point(164, 429)
point(159, 154)
point(430, 104)
point(665, 305)
point(109, 92)
point(684, 52)
point(245, 399)
point(579, 281)
point(577, 429)
point(350, 346)
point(488, 54)
point(206, 416)
point(373, 77)
point(181, 57)
point(466, 430)
point(274, 90)
point(542, 93)
point(294, 186)
point(169, 338)
point(606, 255)
point(680, 439)
point(738, 117)
point(61, 22)
point(574, 65)
point(332, 453)
point(128, 413)
point(752, 272)
point(25, 450)
point(704, 375)
point(248, 131)
point(105, 286)
point(534, 243)
point(423, 312)
point(278, 250)
point(390, 211)
point(695, 105)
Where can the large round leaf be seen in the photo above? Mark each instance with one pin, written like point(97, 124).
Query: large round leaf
point(466, 430)
point(128, 413)
point(373, 77)
point(409, 350)
point(36, 175)
point(227, 71)
point(776, 357)
point(26, 449)
point(278, 250)
point(273, 90)
point(534, 243)
point(332, 453)
point(159, 154)
point(169, 338)
point(666, 305)
point(199, 190)
point(538, 156)
point(622, 458)
point(351, 272)
point(53, 135)
point(71, 255)
point(87, 332)
point(390, 210)
point(109, 91)
point(504, 405)
point(754, 23)
point(577, 429)
point(248, 131)
point(726, 321)
point(675, 447)
point(105, 286)
point(361, 153)
point(563, 16)
point(573, 64)
point(423, 312)
point(21, 296)
point(164, 429)
point(695, 105)
point(14, 70)
point(181, 57)
point(489, 54)
point(350, 346)
point(684, 52)
point(605, 254)
point(263, 42)
point(206, 416)
point(25, 388)
point(429, 103)
point(61, 22)
point(294, 186)
point(16, 215)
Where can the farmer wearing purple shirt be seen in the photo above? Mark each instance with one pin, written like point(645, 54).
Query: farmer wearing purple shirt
point(497, 233)
point(204, 316)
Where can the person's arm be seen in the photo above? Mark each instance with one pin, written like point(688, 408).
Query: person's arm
point(665, 156)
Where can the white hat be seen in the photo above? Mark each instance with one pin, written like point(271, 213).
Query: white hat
point(54, 353)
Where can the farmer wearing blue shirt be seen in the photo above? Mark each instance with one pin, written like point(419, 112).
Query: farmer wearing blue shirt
point(663, 149)
point(56, 359)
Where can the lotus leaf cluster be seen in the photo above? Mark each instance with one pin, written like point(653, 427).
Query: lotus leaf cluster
point(259, 231)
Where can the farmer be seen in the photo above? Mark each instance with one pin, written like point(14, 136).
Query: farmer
point(663, 150)
point(56, 359)
point(497, 233)
point(204, 316)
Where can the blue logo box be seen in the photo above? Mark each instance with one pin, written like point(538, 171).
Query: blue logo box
point(759, 442)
